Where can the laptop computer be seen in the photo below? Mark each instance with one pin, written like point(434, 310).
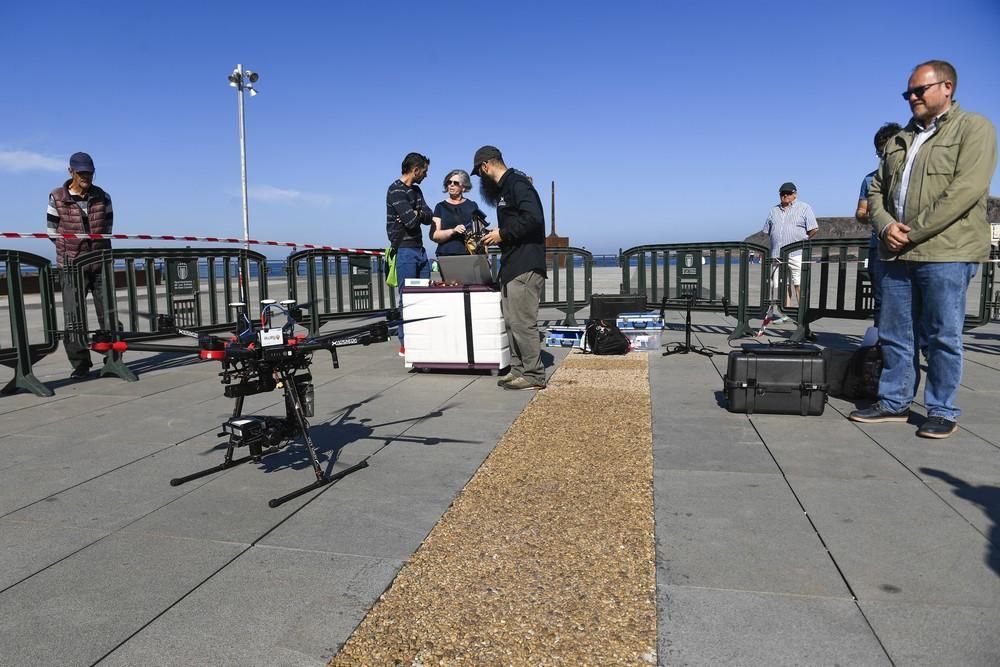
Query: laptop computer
point(465, 269)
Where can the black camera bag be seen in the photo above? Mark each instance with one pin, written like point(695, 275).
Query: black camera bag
point(602, 337)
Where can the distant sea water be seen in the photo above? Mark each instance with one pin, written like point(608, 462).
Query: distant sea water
point(276, 268)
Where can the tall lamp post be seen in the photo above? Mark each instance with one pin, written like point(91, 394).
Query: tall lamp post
point(242, 79)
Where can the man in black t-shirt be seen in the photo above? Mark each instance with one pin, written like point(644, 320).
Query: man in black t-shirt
point(520, 233)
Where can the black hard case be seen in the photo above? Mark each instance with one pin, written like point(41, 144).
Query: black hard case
point(610, 306)
point(776, 379)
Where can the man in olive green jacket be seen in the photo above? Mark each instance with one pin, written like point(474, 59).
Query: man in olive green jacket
point(928, 203)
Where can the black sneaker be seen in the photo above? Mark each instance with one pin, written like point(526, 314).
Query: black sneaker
point(937, 427)
point(876, 414)
point(81, 373)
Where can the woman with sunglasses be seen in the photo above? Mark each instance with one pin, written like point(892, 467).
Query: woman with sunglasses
point(453, 215)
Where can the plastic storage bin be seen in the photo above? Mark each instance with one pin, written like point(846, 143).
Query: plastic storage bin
point(650, 338)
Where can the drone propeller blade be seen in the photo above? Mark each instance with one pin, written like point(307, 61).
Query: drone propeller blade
point(415, 319)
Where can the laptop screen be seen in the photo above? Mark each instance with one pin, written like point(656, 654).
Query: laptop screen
point(465, 269)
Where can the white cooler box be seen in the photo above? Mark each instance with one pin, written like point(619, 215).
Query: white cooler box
point(454, 328)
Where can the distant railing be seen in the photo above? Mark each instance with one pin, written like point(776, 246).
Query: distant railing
point(718, 275)
point(570, 279)
point(568, 270)
point(193, 301)
point(835, 283)
point(20, 352)
point(335, 284)
point(194, 287)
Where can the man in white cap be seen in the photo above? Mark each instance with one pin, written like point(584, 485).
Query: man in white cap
point(787, 222)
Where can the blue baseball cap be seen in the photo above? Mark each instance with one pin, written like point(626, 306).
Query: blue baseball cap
point(81, 162)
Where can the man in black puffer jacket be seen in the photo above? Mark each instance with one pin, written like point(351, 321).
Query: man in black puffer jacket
point(80, 207)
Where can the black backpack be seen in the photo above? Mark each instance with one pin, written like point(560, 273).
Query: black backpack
point(863, 373)
point(602, 337)
point(854, 374)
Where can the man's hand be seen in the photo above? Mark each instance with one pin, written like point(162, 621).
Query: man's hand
point(896, 236)
point(493, 238)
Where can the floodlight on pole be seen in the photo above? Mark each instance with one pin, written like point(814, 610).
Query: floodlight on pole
point(242, 80)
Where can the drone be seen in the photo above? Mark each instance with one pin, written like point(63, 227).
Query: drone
point(260, 357)
point(473, 236)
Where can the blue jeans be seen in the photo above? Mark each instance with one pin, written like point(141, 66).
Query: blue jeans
point(875, 271)
point(410, 263)
point(926, 297)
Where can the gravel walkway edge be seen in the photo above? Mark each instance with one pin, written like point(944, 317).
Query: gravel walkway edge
point(547, 555)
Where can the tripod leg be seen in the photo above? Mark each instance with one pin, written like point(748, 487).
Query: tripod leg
point(685, 347)
point(687, 326)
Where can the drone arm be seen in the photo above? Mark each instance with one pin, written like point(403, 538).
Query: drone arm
point(122, 346)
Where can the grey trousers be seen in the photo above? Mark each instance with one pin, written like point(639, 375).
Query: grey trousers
point(93, 282)
point(519, 304)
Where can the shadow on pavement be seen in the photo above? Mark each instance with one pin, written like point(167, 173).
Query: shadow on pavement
point(988, 498)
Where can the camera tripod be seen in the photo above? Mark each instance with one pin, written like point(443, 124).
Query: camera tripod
point(686, 347)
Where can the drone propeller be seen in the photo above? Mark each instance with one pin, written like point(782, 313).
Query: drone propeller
point(414, 319)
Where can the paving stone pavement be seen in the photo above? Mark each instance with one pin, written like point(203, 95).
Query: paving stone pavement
point(780, 540)
point(786, 540)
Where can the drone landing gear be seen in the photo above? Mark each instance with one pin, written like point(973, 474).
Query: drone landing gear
point(321, 480)
point(264, 436)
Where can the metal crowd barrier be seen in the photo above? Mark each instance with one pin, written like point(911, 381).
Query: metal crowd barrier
point(336, 284)
point(717, 275)
point(20, 352)
point(567, 268)
point(835, 283)
point(193, 286)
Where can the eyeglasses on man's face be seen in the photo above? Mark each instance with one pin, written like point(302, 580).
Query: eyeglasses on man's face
point(919, 91)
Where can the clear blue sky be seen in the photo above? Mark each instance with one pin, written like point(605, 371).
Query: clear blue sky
point(659, 121)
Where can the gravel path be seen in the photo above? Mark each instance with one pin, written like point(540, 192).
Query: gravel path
point(547, 555)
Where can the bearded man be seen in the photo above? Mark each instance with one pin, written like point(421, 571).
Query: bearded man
point(520, 233)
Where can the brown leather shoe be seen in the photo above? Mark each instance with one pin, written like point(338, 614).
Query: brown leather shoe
point(520, 383)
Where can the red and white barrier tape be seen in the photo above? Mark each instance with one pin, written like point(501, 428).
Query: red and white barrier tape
point(168, 237)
